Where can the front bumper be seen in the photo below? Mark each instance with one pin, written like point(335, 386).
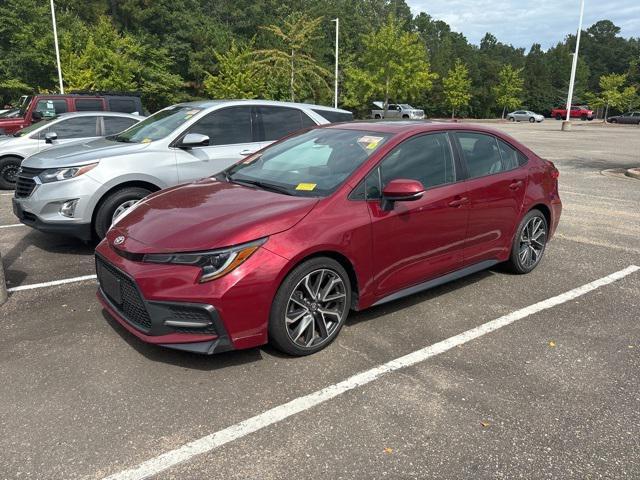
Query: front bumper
point(238, 304)
point(82, 231)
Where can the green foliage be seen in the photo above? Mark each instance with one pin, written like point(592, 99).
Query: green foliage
point(393, 65)
point(170, 50)
point(292, 59)
point(457, 87)
point(610, 92)
point(629, 98)
point(509, 88)
point(238, 75)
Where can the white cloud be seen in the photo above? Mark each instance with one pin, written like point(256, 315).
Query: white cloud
point(524, 22)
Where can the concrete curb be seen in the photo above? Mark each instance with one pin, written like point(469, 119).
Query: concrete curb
point(633, 173)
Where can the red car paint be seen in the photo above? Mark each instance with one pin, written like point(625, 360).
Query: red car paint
point(387, 250)
point(577, 111)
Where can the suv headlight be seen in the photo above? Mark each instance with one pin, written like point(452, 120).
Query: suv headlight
point(65, 173)
point(214, 264)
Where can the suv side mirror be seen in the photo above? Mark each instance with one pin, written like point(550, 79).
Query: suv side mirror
point(50, 137)
point(401, 190)
point(191, 140)
point(36, 116)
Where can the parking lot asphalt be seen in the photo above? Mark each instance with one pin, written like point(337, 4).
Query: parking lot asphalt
point(552, 395)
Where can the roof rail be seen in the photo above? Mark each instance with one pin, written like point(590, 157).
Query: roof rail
point(105, 92)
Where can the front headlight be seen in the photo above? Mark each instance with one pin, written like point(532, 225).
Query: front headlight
point(58, 174)
point(214, 264)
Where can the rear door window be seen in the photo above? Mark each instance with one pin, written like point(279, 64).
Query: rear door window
point(228, 126)
point(511, 158)
point(113, 125)
point(481, 154)
point(278, 122)
point(78, 127)
point(89, 105)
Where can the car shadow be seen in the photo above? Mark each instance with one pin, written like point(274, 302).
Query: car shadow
point(182, 359)
point(50, 243)
point(240, 357)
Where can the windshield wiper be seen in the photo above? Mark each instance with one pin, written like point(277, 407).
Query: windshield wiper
point(259, 184)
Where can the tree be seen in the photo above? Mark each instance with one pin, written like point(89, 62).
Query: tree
point(610, 86)
point(509, 88)
point(629, 98)
point(238, 76)
point(393, 65)
point(293, 58)
point(457, 86)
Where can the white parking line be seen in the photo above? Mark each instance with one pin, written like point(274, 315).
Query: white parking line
point(13, 225)
point(281, 412)
point(6, 194)
point(51, 284)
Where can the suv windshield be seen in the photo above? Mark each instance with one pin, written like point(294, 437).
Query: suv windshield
point(313, 163)
point(158, 125)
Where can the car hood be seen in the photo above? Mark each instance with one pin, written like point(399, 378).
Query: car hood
point(205, 215)
point(82, 152)
point(4, 139)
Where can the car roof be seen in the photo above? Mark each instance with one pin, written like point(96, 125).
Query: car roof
point(410, 126)
point(217, 103)
point(102, 113)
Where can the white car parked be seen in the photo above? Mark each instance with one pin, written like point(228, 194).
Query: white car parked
point(60, 130)
point(80, 189)
point(525, 116)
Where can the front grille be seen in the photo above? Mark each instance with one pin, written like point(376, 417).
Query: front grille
point(25, 183)
point(132, 305)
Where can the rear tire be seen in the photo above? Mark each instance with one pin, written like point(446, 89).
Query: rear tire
point(125, 197)
point(377, 116)
point(529, 243)
point(9, 167)
point(558, 116)
point(310, 307)
point(613, 120)
point(512, 119)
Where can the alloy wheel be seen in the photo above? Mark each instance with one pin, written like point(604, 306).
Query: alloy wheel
point(532, 242)
point(10, 173)
point(316, 308)
point(123, 207)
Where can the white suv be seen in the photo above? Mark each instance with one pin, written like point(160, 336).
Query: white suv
point(81, 189)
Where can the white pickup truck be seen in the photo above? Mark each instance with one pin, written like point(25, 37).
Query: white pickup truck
point(400, 110)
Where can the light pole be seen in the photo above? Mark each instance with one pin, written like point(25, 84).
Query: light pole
point(335, 93)
point(566, 125)
point(55, 41)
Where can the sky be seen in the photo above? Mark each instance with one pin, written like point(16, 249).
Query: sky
point(524, 22)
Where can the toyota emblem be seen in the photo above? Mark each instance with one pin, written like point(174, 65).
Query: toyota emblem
point(119, 240)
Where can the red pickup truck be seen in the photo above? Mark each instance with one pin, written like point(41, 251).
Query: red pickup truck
point(577, 111)
point(35, 108)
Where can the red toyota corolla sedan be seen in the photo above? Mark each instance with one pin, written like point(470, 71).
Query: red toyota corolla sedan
point(281, 246)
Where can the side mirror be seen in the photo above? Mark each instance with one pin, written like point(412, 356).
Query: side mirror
point(50, 137)
point(36, 116)
point(401, 190)
point(191, 140)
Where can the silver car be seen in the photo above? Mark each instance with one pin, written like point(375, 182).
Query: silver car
point(81, 189)
point(525, 116)
point(60, 130)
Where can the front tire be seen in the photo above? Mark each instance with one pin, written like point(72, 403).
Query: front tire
point(532, 120)
point(558, 116)
point(9, 167)
point(529, 243)
point(115, 204)
point(310, 307)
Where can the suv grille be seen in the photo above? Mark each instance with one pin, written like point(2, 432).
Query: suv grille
point(132, 306)
point(25, 183)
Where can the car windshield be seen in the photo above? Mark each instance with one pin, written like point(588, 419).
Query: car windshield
point(314, 163)
point(406, 106)
point(33, 127)
point(158, 125)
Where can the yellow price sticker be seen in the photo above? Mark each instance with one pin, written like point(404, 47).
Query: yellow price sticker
point(307, 187)
point(146, 140)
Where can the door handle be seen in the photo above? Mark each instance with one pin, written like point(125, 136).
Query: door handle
point(515, 185)
point(458, 202)
point(246, 152)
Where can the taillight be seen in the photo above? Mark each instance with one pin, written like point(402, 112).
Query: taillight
point(554, 172)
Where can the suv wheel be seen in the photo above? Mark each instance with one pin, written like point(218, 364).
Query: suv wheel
point(529, 243)
point(310, 307)
point(114, 205)
point(9, 167)
point(558, 116)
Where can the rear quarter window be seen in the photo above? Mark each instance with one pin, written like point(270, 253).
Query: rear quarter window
point(89, 105)
point(124, 105)
point(334, 117)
